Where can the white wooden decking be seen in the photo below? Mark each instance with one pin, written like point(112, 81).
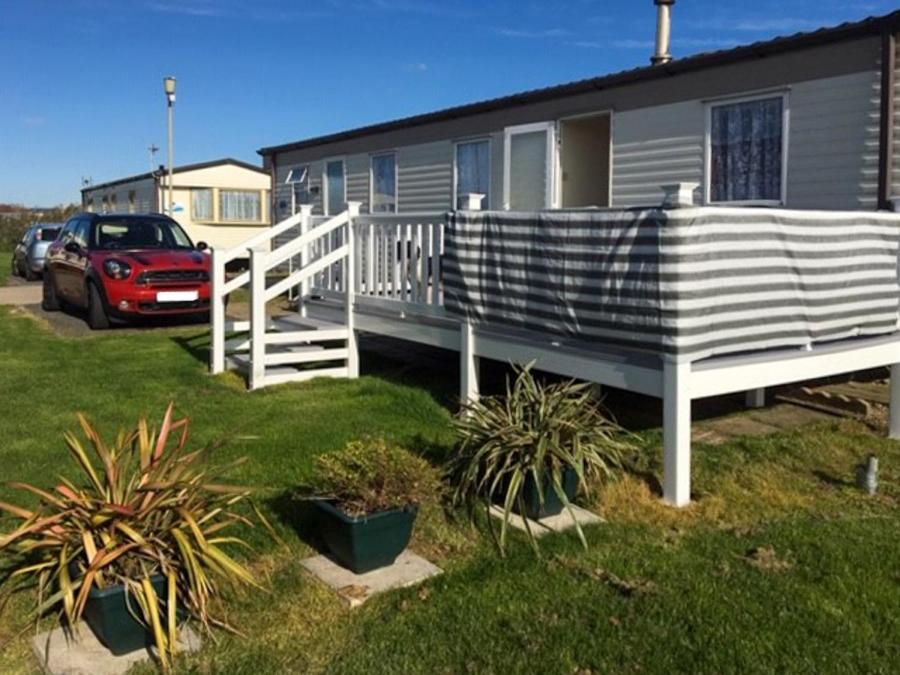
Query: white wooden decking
point(392, 287)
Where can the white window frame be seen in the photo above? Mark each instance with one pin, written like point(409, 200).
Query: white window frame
point(552, 159)
point(325, 162)
point(784, 94)
point(488, 198)
point(372, 159)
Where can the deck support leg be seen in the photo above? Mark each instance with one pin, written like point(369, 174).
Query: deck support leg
point(894, 424)
point(217, 315)
point(257, 370)
point(756, 398)
point(676, 433)
point(350, 293)
point(469, 364)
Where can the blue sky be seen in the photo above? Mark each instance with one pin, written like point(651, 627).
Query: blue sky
point(81, 80)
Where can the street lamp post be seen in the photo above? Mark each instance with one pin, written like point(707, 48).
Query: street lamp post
point(169, 84)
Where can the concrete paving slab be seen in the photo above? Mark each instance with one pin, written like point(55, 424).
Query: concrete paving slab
point(81, 653)
point(408, 570)
point(21, 294)
point(559, 523)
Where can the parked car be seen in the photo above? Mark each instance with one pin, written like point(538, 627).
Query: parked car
point(28, 256)
point(120, 267)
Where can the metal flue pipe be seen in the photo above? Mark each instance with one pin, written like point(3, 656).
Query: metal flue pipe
point(663, 32)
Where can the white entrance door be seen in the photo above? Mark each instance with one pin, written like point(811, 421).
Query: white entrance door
point(528, 167)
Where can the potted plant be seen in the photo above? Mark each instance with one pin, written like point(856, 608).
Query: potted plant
point(137, 545)
point(367, 496)
point(531, 450)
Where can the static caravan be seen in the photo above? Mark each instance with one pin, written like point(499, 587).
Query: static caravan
point(222, 202)
point(805, 121)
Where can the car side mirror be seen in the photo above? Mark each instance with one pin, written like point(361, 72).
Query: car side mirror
point(72, 247)
point(202, 246)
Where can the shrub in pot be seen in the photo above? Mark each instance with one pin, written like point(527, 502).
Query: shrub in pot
point(367, 496)
point(135, 546)
point(530, 450)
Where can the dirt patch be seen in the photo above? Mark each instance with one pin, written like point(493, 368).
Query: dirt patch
point(765, 558)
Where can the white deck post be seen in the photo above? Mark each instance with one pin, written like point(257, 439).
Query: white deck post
point(894, 425)
point(469, 364)
point(676, 432)
point(217, 314)
point(756, 398)
point(472, 201)
point(305, 215)
point(350, 285)
point(257, 370)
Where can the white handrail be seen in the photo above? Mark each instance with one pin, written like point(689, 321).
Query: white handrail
point(295, 246)
point(305, 272)
point(268, 235)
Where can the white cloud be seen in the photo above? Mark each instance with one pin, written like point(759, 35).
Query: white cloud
point(415, 67)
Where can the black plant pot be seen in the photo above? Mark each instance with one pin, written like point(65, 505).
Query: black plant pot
point(365, 543)
point(110, 615)
point(553, 505)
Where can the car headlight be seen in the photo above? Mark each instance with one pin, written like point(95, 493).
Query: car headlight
point(117, 269)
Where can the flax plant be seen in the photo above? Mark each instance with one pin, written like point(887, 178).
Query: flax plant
point(535, 431)
point(144, 506)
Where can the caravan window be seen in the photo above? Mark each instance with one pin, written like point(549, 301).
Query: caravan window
point(746, 151)
point(240, 206)
point(298, 179)
point(473, 171)
point(202, 204)
point(384, 183)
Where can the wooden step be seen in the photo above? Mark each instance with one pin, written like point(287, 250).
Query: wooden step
point(294, 357)
point(289, 322)
point(282, 376)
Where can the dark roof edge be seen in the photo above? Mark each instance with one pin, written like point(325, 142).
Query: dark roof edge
point(177, 169)
point(847, 31)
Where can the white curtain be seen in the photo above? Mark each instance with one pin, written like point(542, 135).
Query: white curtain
point(473, 166)
point(202, 205)
point(746, 151)
point(239, 205)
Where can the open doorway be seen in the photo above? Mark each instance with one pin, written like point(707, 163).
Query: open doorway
point(584, 154)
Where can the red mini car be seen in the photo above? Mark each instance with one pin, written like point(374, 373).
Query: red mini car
point(119, 267)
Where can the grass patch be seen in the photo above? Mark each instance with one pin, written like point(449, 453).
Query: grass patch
point(781, 564)
point(5, 266)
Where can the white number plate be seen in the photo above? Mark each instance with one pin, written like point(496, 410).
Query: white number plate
point(176, 296)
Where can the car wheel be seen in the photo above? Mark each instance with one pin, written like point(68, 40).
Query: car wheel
point(98, 319)
point(49, 301)
point(29, 274)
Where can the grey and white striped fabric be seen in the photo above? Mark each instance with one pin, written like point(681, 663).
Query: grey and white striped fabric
point(692, 283)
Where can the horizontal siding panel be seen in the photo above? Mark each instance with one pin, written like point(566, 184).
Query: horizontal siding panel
point(425, 176)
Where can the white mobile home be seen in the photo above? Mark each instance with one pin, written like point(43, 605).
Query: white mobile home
point(474, 229)
point(816, 110)
point(222, 202)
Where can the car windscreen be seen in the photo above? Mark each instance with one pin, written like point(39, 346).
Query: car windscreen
point(48, 233)
point(138, 233)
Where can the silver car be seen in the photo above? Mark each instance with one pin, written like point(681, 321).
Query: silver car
point(28, 256)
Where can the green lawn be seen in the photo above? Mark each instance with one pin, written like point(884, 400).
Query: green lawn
point(659, 590)
point(5, 265)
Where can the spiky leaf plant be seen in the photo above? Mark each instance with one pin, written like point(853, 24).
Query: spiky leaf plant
point(536, 430)
point(145, 505)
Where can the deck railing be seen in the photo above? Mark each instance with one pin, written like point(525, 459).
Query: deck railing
point(390, 258)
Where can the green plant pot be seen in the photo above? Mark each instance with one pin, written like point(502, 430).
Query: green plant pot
point(107, 613)
point(553, 505)
point(365, 543)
